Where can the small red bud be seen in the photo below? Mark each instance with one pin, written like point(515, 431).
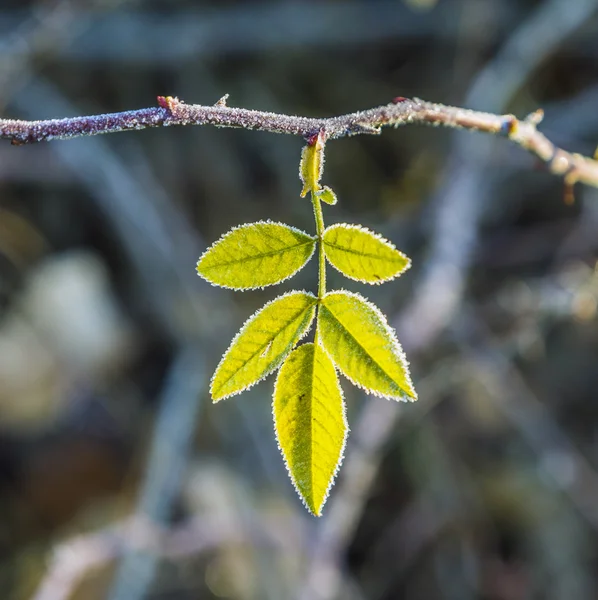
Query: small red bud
point(312, 139)
point(317, 138)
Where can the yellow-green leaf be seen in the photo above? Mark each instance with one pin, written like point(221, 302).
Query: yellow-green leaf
point(310, 422)
point(256, 254)
point(363, 255)
point(312, 164)
point(263, 343)
point(326, 195)
point(363, 346)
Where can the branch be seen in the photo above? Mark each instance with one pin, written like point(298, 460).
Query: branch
point(171, 111)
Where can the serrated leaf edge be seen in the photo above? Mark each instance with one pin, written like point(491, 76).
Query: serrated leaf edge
point(242, 331)
point(343, 447)
point(380, 238)
point(245, 225)
point(395, 344)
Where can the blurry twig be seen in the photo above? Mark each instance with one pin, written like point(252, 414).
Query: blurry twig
point(531, 419)
point(76, 558)
point(141, 38)
point(175, 426)
point(42, 34)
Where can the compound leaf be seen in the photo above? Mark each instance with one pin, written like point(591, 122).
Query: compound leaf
point(363, 255)
point(255, 255)
point(263, 343)
point(363, 346)
point(310, 422)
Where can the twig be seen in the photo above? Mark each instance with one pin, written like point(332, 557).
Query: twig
point(171, 446)
point(75, 559)
point(495, 370)
point(188, 35)
point(573, 167)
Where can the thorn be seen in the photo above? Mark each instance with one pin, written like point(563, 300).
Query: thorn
point(168, 102)
point(365, 128)
point(535, 118)
point(222, 101)
point(569, 192)
point(596, 154)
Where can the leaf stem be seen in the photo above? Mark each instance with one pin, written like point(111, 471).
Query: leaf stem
point(321, 256)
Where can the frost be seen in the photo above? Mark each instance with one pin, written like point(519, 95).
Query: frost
point(311, 166)
point(255, 255)
point(262, 343)
point(363, 346)
point(310, 423)
point(362, 255)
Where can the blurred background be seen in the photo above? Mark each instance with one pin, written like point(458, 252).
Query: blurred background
point(118, 478)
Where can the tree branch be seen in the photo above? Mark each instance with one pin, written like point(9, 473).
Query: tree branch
point(171, 111)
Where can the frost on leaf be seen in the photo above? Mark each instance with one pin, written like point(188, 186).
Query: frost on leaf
point(363, 255)
point(363, 346)
point(263, 343)
point(310, 423)
point(255, 255)
point(326, 195)
point(312, 164)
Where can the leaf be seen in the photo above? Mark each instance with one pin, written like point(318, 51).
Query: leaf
point(312, 164)
point(255, 255)
point(263, 343)
point(363, 255)
point(326, 195)
point(310, 422)
point(363, 346)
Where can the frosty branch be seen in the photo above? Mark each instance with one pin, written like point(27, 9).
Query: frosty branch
point(172, 111)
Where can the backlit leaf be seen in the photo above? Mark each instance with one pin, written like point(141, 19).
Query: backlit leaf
point(363, 346)
point(310, 422)
point(326, 195)
point(255, 255)
point(312, 164)
point(263, 343)
point(362, 255)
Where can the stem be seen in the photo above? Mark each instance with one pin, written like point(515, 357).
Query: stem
point(321, 256)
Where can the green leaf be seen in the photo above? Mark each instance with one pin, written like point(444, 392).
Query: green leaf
point(255, 255)
point(263, 343)
point(326, 195)
point(310, 423)
point(363, 346)
point(363, 255)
